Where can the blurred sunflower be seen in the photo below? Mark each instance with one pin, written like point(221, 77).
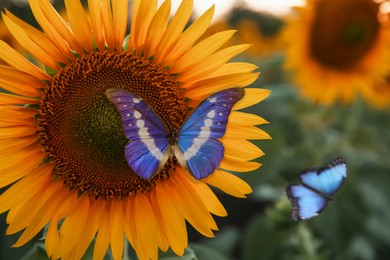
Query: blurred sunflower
point(337, 49)
point(62, 142)
point(380, 94)
point(260, 29)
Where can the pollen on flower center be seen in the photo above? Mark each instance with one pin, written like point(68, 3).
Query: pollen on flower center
point(343, 40)
point(81, 129)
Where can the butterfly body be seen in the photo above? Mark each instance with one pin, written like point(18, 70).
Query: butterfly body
point(317, 187)
point(194, 145)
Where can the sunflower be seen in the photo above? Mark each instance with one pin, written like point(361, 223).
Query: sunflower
point(379, 96)
point(337, 49)
point(62, 142)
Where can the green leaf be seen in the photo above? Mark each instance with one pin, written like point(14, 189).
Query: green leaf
point(38, 252)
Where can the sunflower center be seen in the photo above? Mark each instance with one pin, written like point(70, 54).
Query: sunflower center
point(81, 129)
point(343, 32)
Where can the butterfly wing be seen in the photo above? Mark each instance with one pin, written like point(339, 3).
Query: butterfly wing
point(197, 149)
point(305, 202)
point(148, 148)
point(326, 180)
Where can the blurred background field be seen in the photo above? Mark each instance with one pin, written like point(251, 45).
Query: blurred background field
point(319, 108)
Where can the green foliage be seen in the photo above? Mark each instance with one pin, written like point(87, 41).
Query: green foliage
point(356, 223)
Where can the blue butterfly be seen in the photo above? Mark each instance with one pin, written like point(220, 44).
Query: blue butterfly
point(317, 187)
point(195, 145)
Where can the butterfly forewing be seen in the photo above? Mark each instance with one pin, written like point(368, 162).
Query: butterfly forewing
point(136, 115)
point(209, 119)
point(199, 149)
point(326, 180)
point(147, 150)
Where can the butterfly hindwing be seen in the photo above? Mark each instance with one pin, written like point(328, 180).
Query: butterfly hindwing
point(317, 186)
point(306, 203)
point(147, 150)
point(199, 150)
point(202, 156)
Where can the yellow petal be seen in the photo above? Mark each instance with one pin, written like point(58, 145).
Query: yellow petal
point(241, 148)
point(201, 51)
point(77, 218)
point(89, 230)
point(21, 168)
point(9, 99)
point(129, 225)
point(245, 132)
point(170, 219)
point(229, 183)
point(49, 27)
point(108, 24)
point(42, 217)
point(15, 89)
point(63, 210)
point(52, 236)
point(174, 30)
point(17, 131)
point(190, 36)
point(157, 27)
point(200, 90)
point(146, 226)
point(15, 144)
point(79, 23)
point(233, 67)
point(103, 237)
point(11, 157)
point(142, 15)
point(117, 217)
point(16, 60)
point(94, 8)
point(230, 164)
point(252, 96)
point(31, 184)
point(210, 200)
point(204, 68)
point(41, 39)
point(12, 118)
point(54, 25)
point(20, 78)
point(241, 118)
point(192, 205)
point(120, 10)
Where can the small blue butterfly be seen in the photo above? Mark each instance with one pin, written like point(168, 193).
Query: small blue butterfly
point(195, 145)
point(318, 186)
